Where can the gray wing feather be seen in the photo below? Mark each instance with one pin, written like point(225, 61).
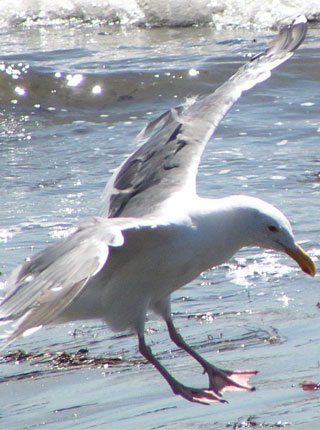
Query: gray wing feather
point(41, 288)
point(171, 145)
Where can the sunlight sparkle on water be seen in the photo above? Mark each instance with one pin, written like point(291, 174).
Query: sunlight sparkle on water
point(97, 89)
point(74, 80)
point(193, 72)
point(20, 91)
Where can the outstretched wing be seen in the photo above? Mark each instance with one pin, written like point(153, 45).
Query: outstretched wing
point(171, 145)
point(41, 288)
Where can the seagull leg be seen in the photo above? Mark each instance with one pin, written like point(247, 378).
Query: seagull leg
point(220, 379)
point(197, 395)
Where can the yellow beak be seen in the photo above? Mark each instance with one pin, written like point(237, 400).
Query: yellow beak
point(303, 259)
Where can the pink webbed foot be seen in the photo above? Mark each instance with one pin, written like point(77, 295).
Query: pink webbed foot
point(197, 395)
point(222, 380)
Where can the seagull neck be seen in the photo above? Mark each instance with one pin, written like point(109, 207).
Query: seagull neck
point(221, 228)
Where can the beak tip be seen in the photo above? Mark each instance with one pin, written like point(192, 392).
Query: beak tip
point(305, 262)
point(311, 271)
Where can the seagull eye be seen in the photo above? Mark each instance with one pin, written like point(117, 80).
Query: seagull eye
point(273, 228)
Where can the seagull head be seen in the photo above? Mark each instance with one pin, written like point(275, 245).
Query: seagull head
point(267, 227)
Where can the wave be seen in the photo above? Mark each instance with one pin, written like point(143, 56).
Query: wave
point(154, 13)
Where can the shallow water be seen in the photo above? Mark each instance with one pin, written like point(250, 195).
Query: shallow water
point(71, 102)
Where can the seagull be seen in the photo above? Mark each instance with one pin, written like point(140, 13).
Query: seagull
point(154, 234)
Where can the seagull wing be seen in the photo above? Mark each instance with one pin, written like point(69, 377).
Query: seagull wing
point(170, 146)
point(41, 288)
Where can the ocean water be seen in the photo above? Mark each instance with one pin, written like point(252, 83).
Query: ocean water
point(73, 95)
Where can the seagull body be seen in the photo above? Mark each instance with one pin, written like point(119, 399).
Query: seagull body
point(155, 234)
point(169, 253)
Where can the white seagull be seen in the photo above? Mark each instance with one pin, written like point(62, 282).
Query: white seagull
point(155, 234)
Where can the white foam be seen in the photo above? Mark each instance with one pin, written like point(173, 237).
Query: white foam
point(221, 13)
